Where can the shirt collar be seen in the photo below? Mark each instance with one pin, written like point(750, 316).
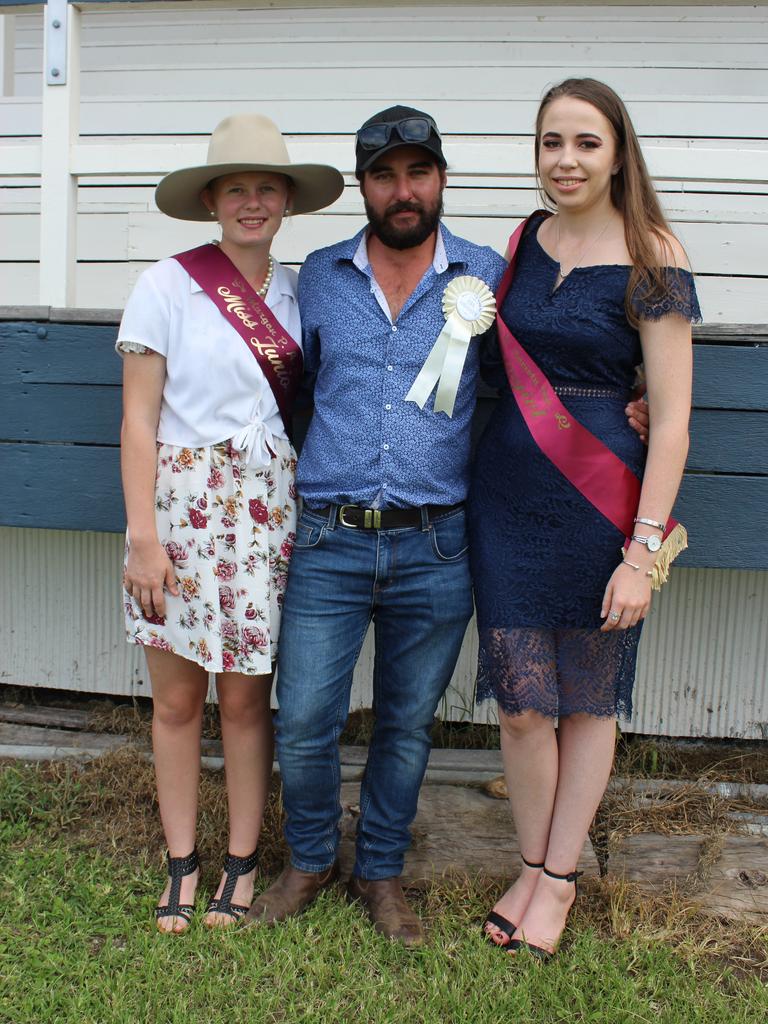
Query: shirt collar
point(447, 250)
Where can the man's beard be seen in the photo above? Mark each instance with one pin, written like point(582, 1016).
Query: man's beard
point(405, 238)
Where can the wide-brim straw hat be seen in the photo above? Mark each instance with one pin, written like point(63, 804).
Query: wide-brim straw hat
point(247, 142)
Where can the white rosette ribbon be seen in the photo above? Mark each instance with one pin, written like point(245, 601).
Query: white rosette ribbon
point(469, 308)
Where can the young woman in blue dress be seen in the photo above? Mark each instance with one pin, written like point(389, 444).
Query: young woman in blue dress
point(599, 287)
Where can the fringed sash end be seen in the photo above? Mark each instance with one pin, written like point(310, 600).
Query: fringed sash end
point(675, 542)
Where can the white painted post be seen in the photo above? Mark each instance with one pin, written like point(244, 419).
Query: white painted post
point(7, 54)
point(58, 186)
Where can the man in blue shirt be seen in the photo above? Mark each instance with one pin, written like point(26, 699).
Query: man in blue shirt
point(382, 536)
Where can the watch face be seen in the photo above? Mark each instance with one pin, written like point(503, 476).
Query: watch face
point(654, 543)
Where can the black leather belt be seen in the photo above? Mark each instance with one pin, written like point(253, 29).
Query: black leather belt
point(360, 518)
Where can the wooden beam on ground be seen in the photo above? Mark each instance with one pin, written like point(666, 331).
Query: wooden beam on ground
point(725, 878)
point(457, 831)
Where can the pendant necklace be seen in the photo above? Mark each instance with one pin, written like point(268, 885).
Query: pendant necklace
point(584, 252)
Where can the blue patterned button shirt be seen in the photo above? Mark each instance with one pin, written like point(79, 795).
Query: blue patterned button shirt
point(366, 445)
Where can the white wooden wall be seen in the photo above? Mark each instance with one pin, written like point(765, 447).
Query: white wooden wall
point(153, 85)
point(154, 82)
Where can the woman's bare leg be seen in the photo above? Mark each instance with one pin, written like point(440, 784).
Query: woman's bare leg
point(530, 754)
point(179, 687)
point(248, 736)
point(586, 746)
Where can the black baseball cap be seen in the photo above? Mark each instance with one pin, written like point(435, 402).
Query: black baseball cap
point(396, 126)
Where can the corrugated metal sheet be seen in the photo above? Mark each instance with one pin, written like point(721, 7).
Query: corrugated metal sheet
point(60, 615)
point(703, 657)
point(702, 668)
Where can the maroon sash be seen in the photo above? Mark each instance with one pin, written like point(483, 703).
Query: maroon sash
point(593, 469)
point(272, 347)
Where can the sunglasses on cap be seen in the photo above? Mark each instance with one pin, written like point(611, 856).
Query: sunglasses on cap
point(410, 129)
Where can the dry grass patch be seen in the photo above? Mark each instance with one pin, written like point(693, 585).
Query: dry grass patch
point(726, 760)
point(110, 805)
point(683, 810)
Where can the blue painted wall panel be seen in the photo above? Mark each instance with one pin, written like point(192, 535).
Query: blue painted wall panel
point(725, 519)
point(725, 441)
point(77, 412)
point(49, 353)
point(730, 376)
point(61, 487)
point(60, 388)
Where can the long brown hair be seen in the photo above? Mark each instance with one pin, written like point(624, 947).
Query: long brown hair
point(632, 194)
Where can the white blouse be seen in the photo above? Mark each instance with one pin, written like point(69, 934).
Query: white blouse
point(214, 388)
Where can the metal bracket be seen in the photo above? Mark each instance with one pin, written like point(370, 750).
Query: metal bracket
point(56, 18)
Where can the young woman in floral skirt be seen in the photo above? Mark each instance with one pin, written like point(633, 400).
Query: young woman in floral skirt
point(208, 479)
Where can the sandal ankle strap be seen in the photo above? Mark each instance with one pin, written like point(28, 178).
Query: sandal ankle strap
point(241, 865)
point(529, 864)
point(572, 876)
point(178, 867)
point(235, 867)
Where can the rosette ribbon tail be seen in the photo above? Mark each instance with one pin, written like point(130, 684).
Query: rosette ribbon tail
point(443, 367)
point(469, 308)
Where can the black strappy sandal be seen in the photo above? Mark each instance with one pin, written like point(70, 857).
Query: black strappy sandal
point(515, 945)
point(234, 868)
point(178, 868)
point(502, 923)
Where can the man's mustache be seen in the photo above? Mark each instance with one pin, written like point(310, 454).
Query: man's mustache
point(403, 207)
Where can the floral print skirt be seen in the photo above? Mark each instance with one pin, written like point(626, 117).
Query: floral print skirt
point(229, 530)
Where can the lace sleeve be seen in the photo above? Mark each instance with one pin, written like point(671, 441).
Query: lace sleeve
point(679, 298)
point(132, 346)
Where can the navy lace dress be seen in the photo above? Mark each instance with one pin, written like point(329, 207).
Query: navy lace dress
point(541, 553)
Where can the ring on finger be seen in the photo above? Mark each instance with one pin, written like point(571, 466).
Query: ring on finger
point(614, 616)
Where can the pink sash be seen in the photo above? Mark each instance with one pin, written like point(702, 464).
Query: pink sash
point(593, 469)
point(272, 347)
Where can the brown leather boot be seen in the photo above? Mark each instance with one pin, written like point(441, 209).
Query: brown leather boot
point(290, 894)
point(385, 903)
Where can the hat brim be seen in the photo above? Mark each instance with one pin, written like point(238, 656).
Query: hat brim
point(315, 187)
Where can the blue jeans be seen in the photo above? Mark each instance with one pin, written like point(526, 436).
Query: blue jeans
point(414, 583)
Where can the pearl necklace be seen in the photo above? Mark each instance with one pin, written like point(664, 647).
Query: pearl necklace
point(261, 292)
point(584, 252)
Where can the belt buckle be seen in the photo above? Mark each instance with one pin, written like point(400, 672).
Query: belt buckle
point(342, 520)
point(371, 517)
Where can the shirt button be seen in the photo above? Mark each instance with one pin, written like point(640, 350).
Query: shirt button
point(388, 406)
point(386, 447)
point(393, 328)
point(390, 367)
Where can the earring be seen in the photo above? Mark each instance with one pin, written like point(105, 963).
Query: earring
point(212, 213)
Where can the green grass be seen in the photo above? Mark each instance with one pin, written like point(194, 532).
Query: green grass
point(77, 944)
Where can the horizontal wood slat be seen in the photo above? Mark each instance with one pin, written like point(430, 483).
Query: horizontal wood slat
point(61, 486)
point(729, 442)
point(50, 353)
point(77, 487)
point(725, 519)
point(730, 378)
point(77, 413)
point(107, 285)
point(742, 117)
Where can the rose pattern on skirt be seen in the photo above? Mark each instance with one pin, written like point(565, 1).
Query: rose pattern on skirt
point(229, 530)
